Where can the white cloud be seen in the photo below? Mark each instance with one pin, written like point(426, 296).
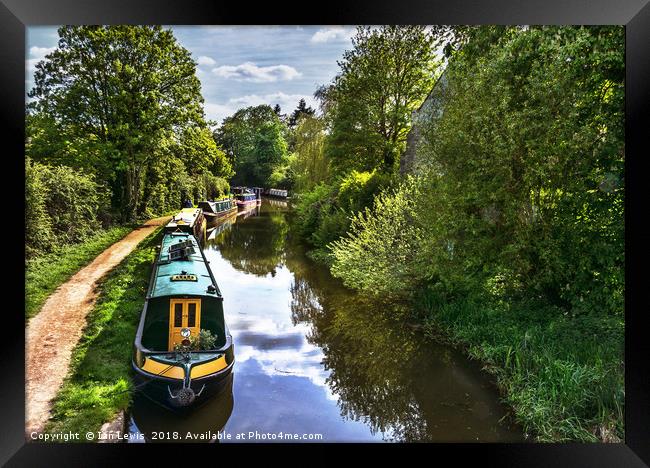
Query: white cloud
point(287, 102)
point(248, 71)
point(40, 52)
point(206, 61)
point(334, 33)
point(37, 54)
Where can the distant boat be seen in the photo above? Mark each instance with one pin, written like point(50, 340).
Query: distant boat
point(258, 194)
point(278, 193)
point(246, 200)
point(189, 220)
point(183, 350)
point(218, 209)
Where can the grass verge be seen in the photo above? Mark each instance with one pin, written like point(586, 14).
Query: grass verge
point(99, 383)
point(563, 376)
point(46, 273)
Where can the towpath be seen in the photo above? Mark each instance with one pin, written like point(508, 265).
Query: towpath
point(53, 333)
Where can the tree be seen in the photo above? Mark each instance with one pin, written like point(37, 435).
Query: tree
point(384, 77)
point(200, 154)
point(309, 164)
point(300, 111)
point(253, 138)
point(119, 89)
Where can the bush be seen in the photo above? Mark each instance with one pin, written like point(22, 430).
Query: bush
point(38, 226)
point(380, 254)
point(324, 213)
point(63, 206)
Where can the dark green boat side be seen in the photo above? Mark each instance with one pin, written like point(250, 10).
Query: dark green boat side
point(183, 303)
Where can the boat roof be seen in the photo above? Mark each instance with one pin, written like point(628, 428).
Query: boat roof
point(186, 217)
point(189, 275)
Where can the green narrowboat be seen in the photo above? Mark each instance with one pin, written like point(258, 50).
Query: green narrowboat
point(183, 349)
point(213, 210)
point(190, 220)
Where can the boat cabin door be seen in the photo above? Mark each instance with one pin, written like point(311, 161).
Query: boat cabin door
point(183, 313)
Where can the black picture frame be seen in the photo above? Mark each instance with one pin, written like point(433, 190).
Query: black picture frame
point(17, 15)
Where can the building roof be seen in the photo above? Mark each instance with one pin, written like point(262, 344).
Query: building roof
point(184, 219)
point(194, 265)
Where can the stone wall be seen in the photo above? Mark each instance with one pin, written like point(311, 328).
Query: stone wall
point(430, 109)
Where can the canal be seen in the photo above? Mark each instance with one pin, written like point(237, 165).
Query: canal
point(318, 361)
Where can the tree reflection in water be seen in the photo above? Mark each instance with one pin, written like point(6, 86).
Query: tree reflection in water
point(256, 246)
point(382, 372)
point(368, 358)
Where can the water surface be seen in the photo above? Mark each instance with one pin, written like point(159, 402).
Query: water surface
point(316, 360)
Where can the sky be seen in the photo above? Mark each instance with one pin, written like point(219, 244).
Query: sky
point(241, 66)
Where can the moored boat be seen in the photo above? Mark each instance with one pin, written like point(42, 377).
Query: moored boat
point(218, 209)
point(183, 349)
point(278, 193)
point(189, 220)
point(246, 200)
point(258, 194)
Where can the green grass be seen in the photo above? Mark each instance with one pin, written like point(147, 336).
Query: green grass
point(46, 273)
point(99, 383)
point(562, 375)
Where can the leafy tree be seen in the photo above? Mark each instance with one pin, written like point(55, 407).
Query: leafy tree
point(384, 77)
point(309, 164)
point(524, 177)
point(301, 110)
point(121, 88)
point(253, 138)
point(200, 154)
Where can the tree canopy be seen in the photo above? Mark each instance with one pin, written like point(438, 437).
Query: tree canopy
point(108, 98)
point(384, 77)
point(253, 138)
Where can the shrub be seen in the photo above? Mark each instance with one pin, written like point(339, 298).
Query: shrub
point(379, 255)
point(63, 206)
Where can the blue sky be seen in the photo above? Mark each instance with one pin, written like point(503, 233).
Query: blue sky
point(241, 66)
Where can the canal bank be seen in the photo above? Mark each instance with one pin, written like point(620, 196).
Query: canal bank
point(314, 358)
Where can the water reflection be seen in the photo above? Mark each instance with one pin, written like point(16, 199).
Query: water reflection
point(157, 424)
point(314, 357)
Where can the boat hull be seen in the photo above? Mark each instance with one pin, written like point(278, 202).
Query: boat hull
point(221, 214)
point(244, 205)
point(157, 388)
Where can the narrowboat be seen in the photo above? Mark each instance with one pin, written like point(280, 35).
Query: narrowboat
point(190, 220)
point(213, 210)
point(183, 350)
point(246, 201)
point(278, 193)
point(258, 194)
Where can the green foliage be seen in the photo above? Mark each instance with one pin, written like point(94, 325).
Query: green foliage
point(63, 206)
point(309, 164)
point(200, 154)
point(324, 214)
point(379, 253)
point(205, 340)
point(253, 138)
point(45, 273)
point(38, 228)
point(138, 87)
point(529, 154)
point(384, 77)
point(563, 376)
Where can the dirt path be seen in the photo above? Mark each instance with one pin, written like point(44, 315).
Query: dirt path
point(53, 333)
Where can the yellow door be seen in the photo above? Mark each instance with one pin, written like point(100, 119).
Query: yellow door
point(183, 313)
